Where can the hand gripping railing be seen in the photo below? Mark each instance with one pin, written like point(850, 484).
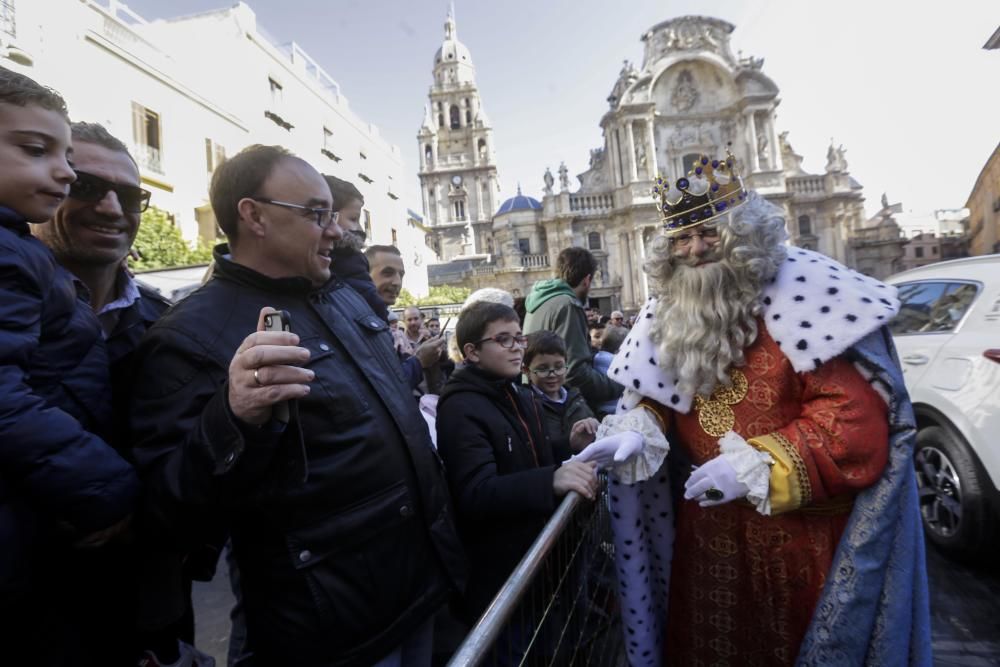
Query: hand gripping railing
point(559, 606)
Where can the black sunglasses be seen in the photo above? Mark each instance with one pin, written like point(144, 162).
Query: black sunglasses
point(92, 189)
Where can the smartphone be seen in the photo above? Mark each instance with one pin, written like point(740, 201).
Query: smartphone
point(279, 321)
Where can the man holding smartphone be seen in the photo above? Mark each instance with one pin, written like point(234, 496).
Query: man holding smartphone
point(319, 507)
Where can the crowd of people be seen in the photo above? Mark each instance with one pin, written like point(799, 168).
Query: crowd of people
point(367, 472)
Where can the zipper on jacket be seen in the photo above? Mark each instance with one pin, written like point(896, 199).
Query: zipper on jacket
point(510, 447)
point(527, 431)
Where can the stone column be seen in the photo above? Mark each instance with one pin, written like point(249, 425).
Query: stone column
point(426, 202)
point(651, 162)
point(628, 293)
point(752, 138)
point(641, 290)
point(612, 151)
point(630, 152)
point(479, 200)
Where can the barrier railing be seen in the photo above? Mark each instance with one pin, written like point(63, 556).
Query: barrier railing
point(559, 606)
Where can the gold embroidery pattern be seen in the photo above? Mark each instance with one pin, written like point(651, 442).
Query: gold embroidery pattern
point(801, 472)
point(715, 414)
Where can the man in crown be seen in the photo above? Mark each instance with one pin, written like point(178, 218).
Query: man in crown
point(768, 376)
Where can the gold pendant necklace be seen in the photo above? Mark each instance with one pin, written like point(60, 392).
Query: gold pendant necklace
point(715, 415)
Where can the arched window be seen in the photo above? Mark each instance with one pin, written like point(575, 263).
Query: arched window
point(440, 120)
point(805, 226)
point(468, 117)
point(456, 118)
point(594, 240)
point(481, 147)
point(428, 153)
point(689, 161)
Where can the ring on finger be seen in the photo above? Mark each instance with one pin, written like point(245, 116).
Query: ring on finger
point(714, 494)
point(256, 377)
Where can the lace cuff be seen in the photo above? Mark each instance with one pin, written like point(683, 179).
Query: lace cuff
point(643, 465)
point(752, 467)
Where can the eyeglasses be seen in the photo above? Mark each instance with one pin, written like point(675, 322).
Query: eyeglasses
point(324, 216)
point(92, 189)
point(556, 372)
point(506, 341)
point(707, 234)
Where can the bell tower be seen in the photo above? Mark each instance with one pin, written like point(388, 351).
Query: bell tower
point(458, 173)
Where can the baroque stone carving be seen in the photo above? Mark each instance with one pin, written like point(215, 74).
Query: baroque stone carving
point(685, 95)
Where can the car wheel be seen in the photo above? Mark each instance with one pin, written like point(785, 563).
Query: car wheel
point(952, 489)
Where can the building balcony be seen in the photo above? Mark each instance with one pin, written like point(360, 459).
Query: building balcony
point(148, 158)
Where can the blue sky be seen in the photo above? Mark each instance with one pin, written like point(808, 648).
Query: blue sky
point(905, 86)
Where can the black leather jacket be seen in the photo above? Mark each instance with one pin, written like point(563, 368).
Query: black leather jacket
point(340, 522)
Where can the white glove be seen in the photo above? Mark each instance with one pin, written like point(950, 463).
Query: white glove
point(613, 449)
point(715, 477)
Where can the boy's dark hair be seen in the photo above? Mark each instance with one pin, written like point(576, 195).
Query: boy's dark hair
point(342, 191)
point(477, 318)
point(239, 177)
point(544, 342)
point(613, 339)
point(432, 319)
point(373, 250)
point(575, 264)
point(20, 90)
point(596, 325)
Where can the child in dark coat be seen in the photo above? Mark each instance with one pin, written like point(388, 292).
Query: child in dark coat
point(565, 414)
point(503, 476)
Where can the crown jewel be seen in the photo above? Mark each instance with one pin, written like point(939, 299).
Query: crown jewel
point(711, 188)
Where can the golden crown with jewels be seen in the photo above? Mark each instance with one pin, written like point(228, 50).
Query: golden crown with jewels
point(710, 189)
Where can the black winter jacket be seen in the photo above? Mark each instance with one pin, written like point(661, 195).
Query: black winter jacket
point(55, 408)
point(340, 522)
point(558, 419)
point(500, 469)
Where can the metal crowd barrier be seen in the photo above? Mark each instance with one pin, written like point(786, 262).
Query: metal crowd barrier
point(560, 605)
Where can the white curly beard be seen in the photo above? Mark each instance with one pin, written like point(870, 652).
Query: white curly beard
point(704, 322)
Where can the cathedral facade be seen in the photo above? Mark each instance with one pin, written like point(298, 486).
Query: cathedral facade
point(690, 97)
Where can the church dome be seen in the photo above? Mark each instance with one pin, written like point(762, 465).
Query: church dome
point(452, 51)
point(519, 203)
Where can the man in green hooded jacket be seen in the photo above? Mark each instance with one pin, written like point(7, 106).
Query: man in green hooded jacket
point(557, 305)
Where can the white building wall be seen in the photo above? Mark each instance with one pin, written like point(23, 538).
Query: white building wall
point(207, 77)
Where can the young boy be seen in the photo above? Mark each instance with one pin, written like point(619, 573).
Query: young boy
point(502, 474)
point(62, 488)
point(568, 421)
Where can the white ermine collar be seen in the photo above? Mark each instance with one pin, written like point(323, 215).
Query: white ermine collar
point(814, 309)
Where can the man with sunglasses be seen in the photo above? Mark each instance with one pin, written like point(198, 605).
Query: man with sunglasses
point(91, 234)
point(322, 498)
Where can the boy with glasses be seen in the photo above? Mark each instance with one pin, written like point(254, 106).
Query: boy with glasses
point(568, 421)
point(503, 476)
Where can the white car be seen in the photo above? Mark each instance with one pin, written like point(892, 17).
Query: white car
point(947, 335)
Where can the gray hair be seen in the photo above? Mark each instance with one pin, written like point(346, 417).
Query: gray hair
point(491, 294)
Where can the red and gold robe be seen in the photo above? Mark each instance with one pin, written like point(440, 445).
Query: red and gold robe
point(744, 585)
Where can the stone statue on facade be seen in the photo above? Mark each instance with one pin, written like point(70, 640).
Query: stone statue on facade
point(762, 153)
point(563, 177)
point(549, 181)
point(835, 160)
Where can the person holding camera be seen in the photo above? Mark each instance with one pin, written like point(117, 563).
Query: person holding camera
point(322, 494)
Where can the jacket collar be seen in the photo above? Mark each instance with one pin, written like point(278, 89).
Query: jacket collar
point(227, 269)
point(13, 221)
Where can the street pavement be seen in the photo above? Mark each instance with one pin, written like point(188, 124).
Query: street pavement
point(965, 613)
